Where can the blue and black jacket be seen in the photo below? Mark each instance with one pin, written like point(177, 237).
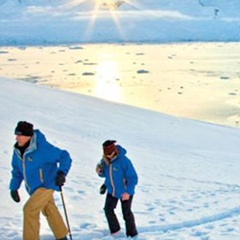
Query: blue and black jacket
point(120, 174)
point(39, 164)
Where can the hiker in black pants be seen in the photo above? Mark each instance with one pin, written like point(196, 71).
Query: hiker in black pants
point(120, 180)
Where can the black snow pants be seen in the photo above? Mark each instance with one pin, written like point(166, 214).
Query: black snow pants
point(114, 226)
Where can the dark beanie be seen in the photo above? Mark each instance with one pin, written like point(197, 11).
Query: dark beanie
point(24, 128)
point(109, 146)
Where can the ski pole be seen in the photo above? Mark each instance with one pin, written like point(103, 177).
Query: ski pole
point(65, 212)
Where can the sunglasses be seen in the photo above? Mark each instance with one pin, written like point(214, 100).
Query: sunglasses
point(110, 154)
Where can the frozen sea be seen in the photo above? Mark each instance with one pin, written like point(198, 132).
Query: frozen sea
point(193, 80)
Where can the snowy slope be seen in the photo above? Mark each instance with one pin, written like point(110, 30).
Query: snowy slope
point(188, 170)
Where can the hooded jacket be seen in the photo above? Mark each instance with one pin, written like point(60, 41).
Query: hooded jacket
point(39, 164)
point(120, 174)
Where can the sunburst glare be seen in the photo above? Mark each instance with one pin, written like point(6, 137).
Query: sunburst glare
point(98, 9)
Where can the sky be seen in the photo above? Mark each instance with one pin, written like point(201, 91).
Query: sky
point(34, 22)
point(188, 170)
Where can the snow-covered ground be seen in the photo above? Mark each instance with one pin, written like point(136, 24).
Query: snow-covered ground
point(188, 170)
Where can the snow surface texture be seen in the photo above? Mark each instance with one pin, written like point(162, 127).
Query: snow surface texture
point(188, 170)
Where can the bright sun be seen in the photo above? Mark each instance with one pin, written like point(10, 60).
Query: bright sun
point(109, 4)
point(104, 4)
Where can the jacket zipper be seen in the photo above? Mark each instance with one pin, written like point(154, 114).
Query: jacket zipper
point(112, 180)
point(25, 175)
point(41, 175)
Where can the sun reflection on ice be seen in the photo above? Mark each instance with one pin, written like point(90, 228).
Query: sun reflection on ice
point(107, 82)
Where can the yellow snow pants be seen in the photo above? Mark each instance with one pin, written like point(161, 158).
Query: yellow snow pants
point(42, 201)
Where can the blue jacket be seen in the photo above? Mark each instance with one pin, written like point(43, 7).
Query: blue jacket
point(120, 175)
point(39, 165)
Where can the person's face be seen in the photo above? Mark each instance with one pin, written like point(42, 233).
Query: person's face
point(22, 140)
point(111, 155)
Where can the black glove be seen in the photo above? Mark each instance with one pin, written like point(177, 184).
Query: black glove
point(15, 196)
point(103, 189)
point(60, 179)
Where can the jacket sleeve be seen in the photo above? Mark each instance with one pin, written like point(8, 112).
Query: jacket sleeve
point(62, 157)
point(17, 176)
point(101, 164)
point(65, 162)
point(131, 177)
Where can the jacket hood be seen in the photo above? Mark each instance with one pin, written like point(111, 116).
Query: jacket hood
point(122, 151)
point(38, 136)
